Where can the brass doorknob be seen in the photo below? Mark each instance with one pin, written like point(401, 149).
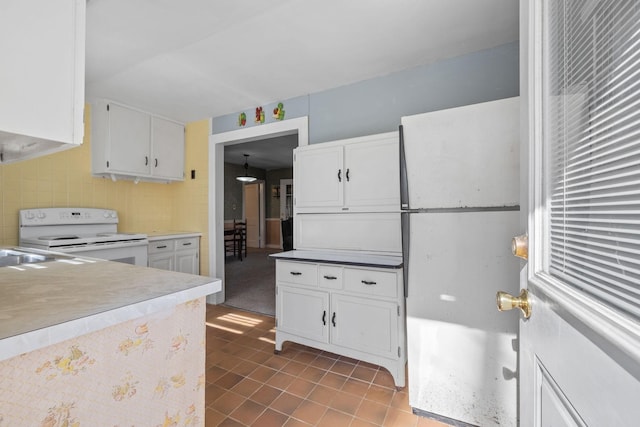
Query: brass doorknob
point(520, 246)
point(508, 302)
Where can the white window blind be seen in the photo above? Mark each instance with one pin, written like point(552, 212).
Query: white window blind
point(591, 104)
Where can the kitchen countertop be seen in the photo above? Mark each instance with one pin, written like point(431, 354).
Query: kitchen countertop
point(49, 302)
point(331, 257)
point(161, 235)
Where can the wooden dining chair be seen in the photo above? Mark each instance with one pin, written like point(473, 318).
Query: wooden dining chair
point(230, 242)
point(240, 227)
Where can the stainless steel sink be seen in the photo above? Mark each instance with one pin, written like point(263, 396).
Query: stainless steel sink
point(10, 257)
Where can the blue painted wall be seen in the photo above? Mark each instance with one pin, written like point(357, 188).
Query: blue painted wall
point(376, 105)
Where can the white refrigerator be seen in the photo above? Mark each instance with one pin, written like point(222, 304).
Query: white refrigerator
point(460, 210)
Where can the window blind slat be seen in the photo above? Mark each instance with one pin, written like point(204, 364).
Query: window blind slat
point(592, 144)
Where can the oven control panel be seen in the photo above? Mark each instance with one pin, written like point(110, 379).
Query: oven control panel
point(66, 216)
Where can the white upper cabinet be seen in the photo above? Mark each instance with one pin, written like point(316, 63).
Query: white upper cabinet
point(167, 151)
point(318, 178)
point(131, 144)
point(129, 140)
point(42, 46)
point(352, 175)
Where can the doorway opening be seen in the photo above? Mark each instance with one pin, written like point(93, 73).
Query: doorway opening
point(257, 138)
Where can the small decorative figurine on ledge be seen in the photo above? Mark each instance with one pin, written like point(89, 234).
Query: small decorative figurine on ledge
point(278, 112)
point(259, 115)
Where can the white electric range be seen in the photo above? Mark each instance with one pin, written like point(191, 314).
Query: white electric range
point(82, 232)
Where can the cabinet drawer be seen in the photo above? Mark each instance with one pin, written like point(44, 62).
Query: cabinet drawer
point(330, 276)
point(188, 243)
point(297, 272)
point(161, 246)
point(371, 282)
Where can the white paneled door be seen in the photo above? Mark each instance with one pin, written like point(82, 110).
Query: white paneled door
point(580, 349)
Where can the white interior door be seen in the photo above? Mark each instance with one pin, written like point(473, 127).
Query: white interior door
point(580, 349)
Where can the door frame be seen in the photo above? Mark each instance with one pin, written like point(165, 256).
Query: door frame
point(217, 142)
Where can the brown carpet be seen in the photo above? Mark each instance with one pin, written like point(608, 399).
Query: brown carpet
point(251, 283)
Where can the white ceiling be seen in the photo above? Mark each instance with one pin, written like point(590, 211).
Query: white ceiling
point(195, 59)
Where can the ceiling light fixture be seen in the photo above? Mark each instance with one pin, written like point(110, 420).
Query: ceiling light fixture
point(246, 177)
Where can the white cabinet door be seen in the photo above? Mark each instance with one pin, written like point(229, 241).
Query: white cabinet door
point(372, 175)
point(167, 156)
point(364, 324)
point(129, 139)
point(318, 177)
point(303, 312)
point(161, 261)
point(187, 262)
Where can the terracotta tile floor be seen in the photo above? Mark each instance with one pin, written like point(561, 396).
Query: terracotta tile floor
point(248, 385)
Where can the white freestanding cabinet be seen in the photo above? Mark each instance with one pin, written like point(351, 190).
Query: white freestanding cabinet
point(356, 311)
point(342, 289)
point(356, 175)
point(42, 45)
point(133, 144)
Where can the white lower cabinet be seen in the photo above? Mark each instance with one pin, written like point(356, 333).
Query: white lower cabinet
point(366, 324)
point(352, 311)
point(175, 253)
point(298, 309)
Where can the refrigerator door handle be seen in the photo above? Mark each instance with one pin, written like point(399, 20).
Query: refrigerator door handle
point(406, 236)
point(404, 182)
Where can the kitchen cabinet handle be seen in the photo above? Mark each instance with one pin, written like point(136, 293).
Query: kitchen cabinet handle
point(146, 160)
point(296, 273)
point(368, 282)
point(186, 244)
point(324, 317)
point(339, 175)
point(330, 277)
point(156, 162)
point(333, 319)
point(347, 175)
point(161, 247)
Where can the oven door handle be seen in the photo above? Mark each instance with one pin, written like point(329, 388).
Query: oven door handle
point(95, 247)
